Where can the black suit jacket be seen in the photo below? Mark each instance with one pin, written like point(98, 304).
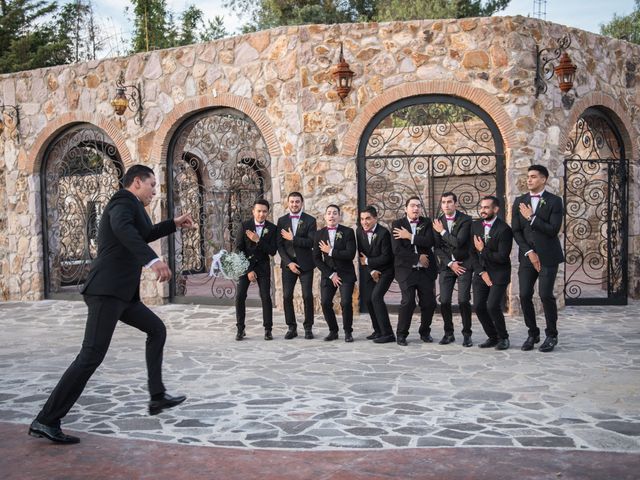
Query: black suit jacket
point(405, 256)
point(495, 257)
point(258, 253)
point(542, 235)
point(300, 249)
point(379, 253)
point(123, 236)
point(341, 259)
point(456, 243)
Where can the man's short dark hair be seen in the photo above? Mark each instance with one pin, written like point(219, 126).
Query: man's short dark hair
point(494, 199)
point(540, 169)
point(295, 194)
point(371, 210)
point(406, 204)
point(136, 171)
point(262, 201)
point(334, 206)
point(450, 194)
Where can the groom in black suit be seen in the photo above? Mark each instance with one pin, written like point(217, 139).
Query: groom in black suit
point(376, 272)
point(333, 252)
point(257, 239)
point(415, 269)
point(537, 219)
point(296, 232)
point(492, 241)
point(112, 293)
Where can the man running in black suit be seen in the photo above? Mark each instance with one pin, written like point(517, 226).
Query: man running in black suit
point(376, 272)
point(296, 232)
point(112, 293)
point(537, 219)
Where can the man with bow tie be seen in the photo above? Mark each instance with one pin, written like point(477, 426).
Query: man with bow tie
point(296, 232)
point(453, 243)
point(537, 219)
point(415, 269)
point(333, 252)
point(376, 272)
point(257, 240)
point(492, 242)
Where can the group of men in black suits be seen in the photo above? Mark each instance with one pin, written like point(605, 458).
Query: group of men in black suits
point(452, 248)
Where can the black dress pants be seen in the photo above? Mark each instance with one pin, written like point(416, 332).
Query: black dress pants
point(327, 292)
point(527, 276)
point(264, 285)
point(420, 282)
point(374, 293)
point(488, 303)
point(104, 313)
point(289, 280)
point(447, 281)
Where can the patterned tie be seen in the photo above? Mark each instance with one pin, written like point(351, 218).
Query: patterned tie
point(294, 216)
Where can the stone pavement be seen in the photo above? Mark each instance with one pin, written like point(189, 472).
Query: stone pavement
point(311, 395)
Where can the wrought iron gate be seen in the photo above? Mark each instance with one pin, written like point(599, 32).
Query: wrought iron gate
point(595, 195)
point(424, 146)
point(81, 170)
point(219, 165)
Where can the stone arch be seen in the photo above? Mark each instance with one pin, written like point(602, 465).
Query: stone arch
point(189, 107)
point(50, 132)
point(477, 96)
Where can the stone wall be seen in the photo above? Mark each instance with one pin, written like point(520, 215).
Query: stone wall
point(281, 79)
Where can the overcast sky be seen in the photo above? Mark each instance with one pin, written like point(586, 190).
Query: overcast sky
point(584, 14)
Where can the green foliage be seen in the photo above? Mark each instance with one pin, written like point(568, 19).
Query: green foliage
point(625, 27)
point(389, 10)
point(214, 29)
point(78, 31)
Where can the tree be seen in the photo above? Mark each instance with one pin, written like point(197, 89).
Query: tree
point(214, 29)
point(389, 10)
point(150, 25)
point(77, 28)
point(625, 27)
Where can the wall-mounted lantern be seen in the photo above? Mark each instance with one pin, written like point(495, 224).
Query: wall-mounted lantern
point(343, 76)
point(12, 111)
point(127, 96)
point(565, 70)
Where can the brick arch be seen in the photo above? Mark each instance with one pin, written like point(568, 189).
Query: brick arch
point(434, 87)
point(53, 129)
point(620, 118)
point(189, 107)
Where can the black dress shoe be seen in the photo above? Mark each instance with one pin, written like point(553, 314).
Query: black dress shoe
point(549, 344)
point(167, 401)
point(402, 341)
point(268, 335)
point(240, 335)
point(466, 342)
point(529, 343)
point(308, 334)
point(291, 333)
point(447, 339)
point(55, 434)
point(331, 336)
point(426, 338)
point(503, 344)
point(348, 338)
point(385, 339)
point(373, 336)
point(488, 343)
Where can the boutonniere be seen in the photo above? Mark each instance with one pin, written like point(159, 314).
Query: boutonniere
point(265, 231)
point(374, 237)
point(541, 202)
point(487, 237)
point(453, 225)
point(300, 222)
point(338, 235)
point(420, 227)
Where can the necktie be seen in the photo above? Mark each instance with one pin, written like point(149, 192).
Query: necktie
point(413, 221)
point(486, 224)
point(332, 228)
point(259, 225)
point(294, 216)
point(450, 219)
point(535, 196)
point(369, 231)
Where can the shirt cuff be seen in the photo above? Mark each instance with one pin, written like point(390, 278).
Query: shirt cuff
point(443, 232)
point(374, 271)
point(148, 265)
point(332, 275)
point(533, 217)
point(526, 254)
point(449, 264)
point(366, 260)
point(330, 252)
point(412, 237)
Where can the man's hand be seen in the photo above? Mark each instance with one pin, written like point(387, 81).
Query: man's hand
point(478, 243)
point(487, 279)
point(363, 259)
point(401, 233)
point(376, 276)
point(162, 271)
point(325, 247)
point(424, 260)
point(337, 281)
point(535, 261)
point(252, 276)
point(286, 234)
point(294, 267)
point(457, 268)
point(184, 221)
point(526, 211)
point(251, 235)
point(438, 226)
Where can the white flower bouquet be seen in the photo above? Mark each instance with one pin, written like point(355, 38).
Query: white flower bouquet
point(230, 265)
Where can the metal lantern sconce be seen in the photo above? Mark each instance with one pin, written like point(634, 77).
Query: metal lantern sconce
point(13, 112)
point(127, 96)
point(565, 70)
point(342, 76)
